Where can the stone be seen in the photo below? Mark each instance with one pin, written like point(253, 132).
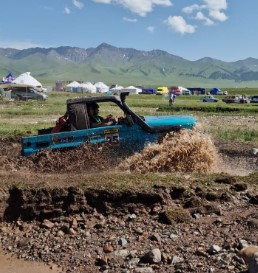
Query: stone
point(143, 270)
point(108, 249)
point(122, 242)
point(47, 224)
point(214, 249)
point(153, 256)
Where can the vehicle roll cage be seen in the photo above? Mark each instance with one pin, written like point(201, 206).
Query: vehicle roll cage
point(120, 101)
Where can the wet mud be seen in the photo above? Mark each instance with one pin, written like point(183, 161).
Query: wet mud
point(184, 219)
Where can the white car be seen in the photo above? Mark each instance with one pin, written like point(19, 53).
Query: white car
point(222, 93)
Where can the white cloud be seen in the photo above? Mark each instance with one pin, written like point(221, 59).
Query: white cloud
point(140, 7)
point(214, 8)
point(67, 10)
point(18, 44)
point(178, 24)
point(216, 4)
point(218, 15)
point(130, 20)
point(77, 4)
point(200, 16)
point(192, 8)
point(151, 29)
point(103, 1)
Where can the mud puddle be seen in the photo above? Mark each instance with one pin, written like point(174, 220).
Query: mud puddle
point(185, 151)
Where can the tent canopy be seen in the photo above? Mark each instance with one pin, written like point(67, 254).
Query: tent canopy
point(87, 87)
point(132, 89)
point(26, 78)
point(73, 84)
point(9, 78)
point(101, 87)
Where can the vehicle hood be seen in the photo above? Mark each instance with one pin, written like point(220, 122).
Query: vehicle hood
point(185, 121)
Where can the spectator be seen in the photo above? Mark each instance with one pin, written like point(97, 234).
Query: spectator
point(172, 97)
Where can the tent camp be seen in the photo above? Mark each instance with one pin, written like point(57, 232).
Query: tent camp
point(73, 86)
point(26, 78)
point(132, 90)
point(9, 78)
point(101, 87)
point(87, 87)
point(179, 90)
point(117, 89)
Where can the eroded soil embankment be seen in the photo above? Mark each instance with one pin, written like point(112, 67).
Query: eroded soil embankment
point(94, 230)
point(49, 203)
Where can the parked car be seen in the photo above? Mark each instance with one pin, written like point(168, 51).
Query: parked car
point(149, 90)
point(209, 99)
point(162, 90)
point(231, 99)
point(236, 99)
point(187, 92)
point(254, 99)
point(222, 92)
point(25, 92)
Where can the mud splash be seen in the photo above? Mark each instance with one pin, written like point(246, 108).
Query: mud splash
point(184, 151)
point(87, 158)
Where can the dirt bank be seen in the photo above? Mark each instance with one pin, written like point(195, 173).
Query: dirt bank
point(59, 210)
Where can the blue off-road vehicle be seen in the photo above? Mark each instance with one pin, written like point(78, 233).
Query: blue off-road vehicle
point(131, 133)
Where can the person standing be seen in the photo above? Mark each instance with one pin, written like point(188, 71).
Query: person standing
point(171, 98)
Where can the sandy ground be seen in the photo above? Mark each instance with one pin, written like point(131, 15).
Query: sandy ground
point(10, 264)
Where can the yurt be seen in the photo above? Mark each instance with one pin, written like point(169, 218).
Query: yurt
point(87, 87)
point(132, 89)
point(26, 78)
point(101, 87)
point(73, 86)
point(117, 89)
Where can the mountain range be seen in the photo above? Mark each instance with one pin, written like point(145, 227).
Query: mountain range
point(126, 66)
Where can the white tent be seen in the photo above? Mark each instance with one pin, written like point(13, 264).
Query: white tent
point(116, 90)
point(87, 87)
point(26, 78)
point(101, 87)
point(73, 86)
point(132, 89)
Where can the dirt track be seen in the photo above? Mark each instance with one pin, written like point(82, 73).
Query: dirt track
point(195, 221)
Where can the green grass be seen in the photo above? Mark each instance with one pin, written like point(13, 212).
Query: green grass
point(239, 134)
point(25, 118)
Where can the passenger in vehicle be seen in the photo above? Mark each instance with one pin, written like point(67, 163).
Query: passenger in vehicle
point(62, 124)
point(96, 120)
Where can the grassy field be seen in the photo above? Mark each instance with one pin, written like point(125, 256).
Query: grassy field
point(25, 118)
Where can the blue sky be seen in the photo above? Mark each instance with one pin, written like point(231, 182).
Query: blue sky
point(192, 29)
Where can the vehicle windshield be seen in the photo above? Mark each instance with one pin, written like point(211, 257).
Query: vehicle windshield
point(106, 108)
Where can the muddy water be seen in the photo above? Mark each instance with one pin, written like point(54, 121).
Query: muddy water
point(185, 151)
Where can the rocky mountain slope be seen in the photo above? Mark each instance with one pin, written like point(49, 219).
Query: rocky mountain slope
point(126, 65)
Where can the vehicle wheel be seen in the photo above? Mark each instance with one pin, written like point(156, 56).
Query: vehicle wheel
point(16, 97)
